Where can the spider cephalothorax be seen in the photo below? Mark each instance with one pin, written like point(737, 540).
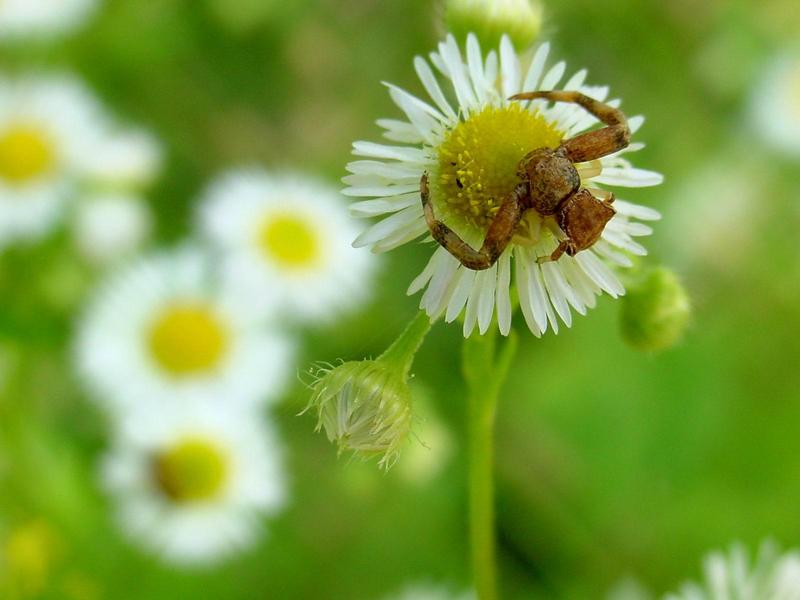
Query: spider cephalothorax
point(550, 185)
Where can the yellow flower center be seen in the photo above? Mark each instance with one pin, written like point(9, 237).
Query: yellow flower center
point(290, 240)
point(26, 153)
point(478, 163)
point(193, 470)
point(188, 339)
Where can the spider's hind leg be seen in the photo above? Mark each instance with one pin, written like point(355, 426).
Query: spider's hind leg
point(594, 144)
point(499, 234)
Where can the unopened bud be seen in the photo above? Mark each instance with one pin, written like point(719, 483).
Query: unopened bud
point(365, 406)
point(655, 311)
point(489, 20)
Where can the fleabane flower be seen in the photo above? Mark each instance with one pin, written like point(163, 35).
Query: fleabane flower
point(775, 104)
point(290, 236)
point(167, 330)
point(733, 576)
point(58, 144)
point(193, 485)
point(470, 139)
point(43, 18)
point(48, 126)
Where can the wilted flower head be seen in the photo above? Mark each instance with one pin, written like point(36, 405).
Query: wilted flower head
point(521, 20)
point(731, 576)
point(365, 406)
point(655, 311)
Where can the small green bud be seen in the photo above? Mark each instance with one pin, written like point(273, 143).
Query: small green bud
point(655, 311)
point(365, 406)
point(521, 20)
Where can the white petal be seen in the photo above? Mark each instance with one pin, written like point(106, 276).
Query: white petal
point(428, 80)
point(509, 65)
point(387, 227)
point(598, 272)
point(381, 206)
point(537, 67)
point(629, 177)
point(460, 294)
point(486, 299)
point(402, 153)
point(503, 293)
point(636, 211)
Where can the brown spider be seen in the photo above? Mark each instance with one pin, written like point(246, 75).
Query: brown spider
point(549, 184)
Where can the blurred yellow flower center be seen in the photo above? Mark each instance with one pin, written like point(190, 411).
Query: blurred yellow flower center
point(193, 470)
point(290, 240)
point(478, 162)
point(188, 339)
point(30, 552)
point(26, 153)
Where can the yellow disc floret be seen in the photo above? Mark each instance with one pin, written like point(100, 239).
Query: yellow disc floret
point(188, 339)
point(26, 154)
point(478, 163)
point(290, 240)
point(194, 469)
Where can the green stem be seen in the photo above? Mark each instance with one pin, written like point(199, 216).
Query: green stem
point(485, 375)
point(405, 347)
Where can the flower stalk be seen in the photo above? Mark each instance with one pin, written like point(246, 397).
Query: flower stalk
point(485, 371)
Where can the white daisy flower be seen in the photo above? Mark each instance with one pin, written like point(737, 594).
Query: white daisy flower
point(45, 18)
point(193, 486)
point(108, 227)
point(287, 235)
point(165, 331)
point(472, 150)
point(775, 105)
point(123, 159)
point(47, 128)
point(731, 576)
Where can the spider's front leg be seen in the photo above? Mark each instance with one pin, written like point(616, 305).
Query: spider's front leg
point(499, 234)
point(594, 144)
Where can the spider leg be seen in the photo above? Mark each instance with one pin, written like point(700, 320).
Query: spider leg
point(499, 234)
point(564, 246)
point(594, 144)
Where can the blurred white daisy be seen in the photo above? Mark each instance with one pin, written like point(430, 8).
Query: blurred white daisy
point(472, 150)
point(57, 142)
point(287, 235)
point(47, 128)
point(43, 18)
point(731, 576)
point(430, 592)
point(194, 485)
point(775, 104)
point(165, 330)
point(112, 226)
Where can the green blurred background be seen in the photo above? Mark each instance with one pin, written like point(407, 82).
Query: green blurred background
point(610, 463)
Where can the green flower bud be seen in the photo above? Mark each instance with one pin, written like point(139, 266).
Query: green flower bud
point(655, 311)
point(521, 20)
point(365, 406)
